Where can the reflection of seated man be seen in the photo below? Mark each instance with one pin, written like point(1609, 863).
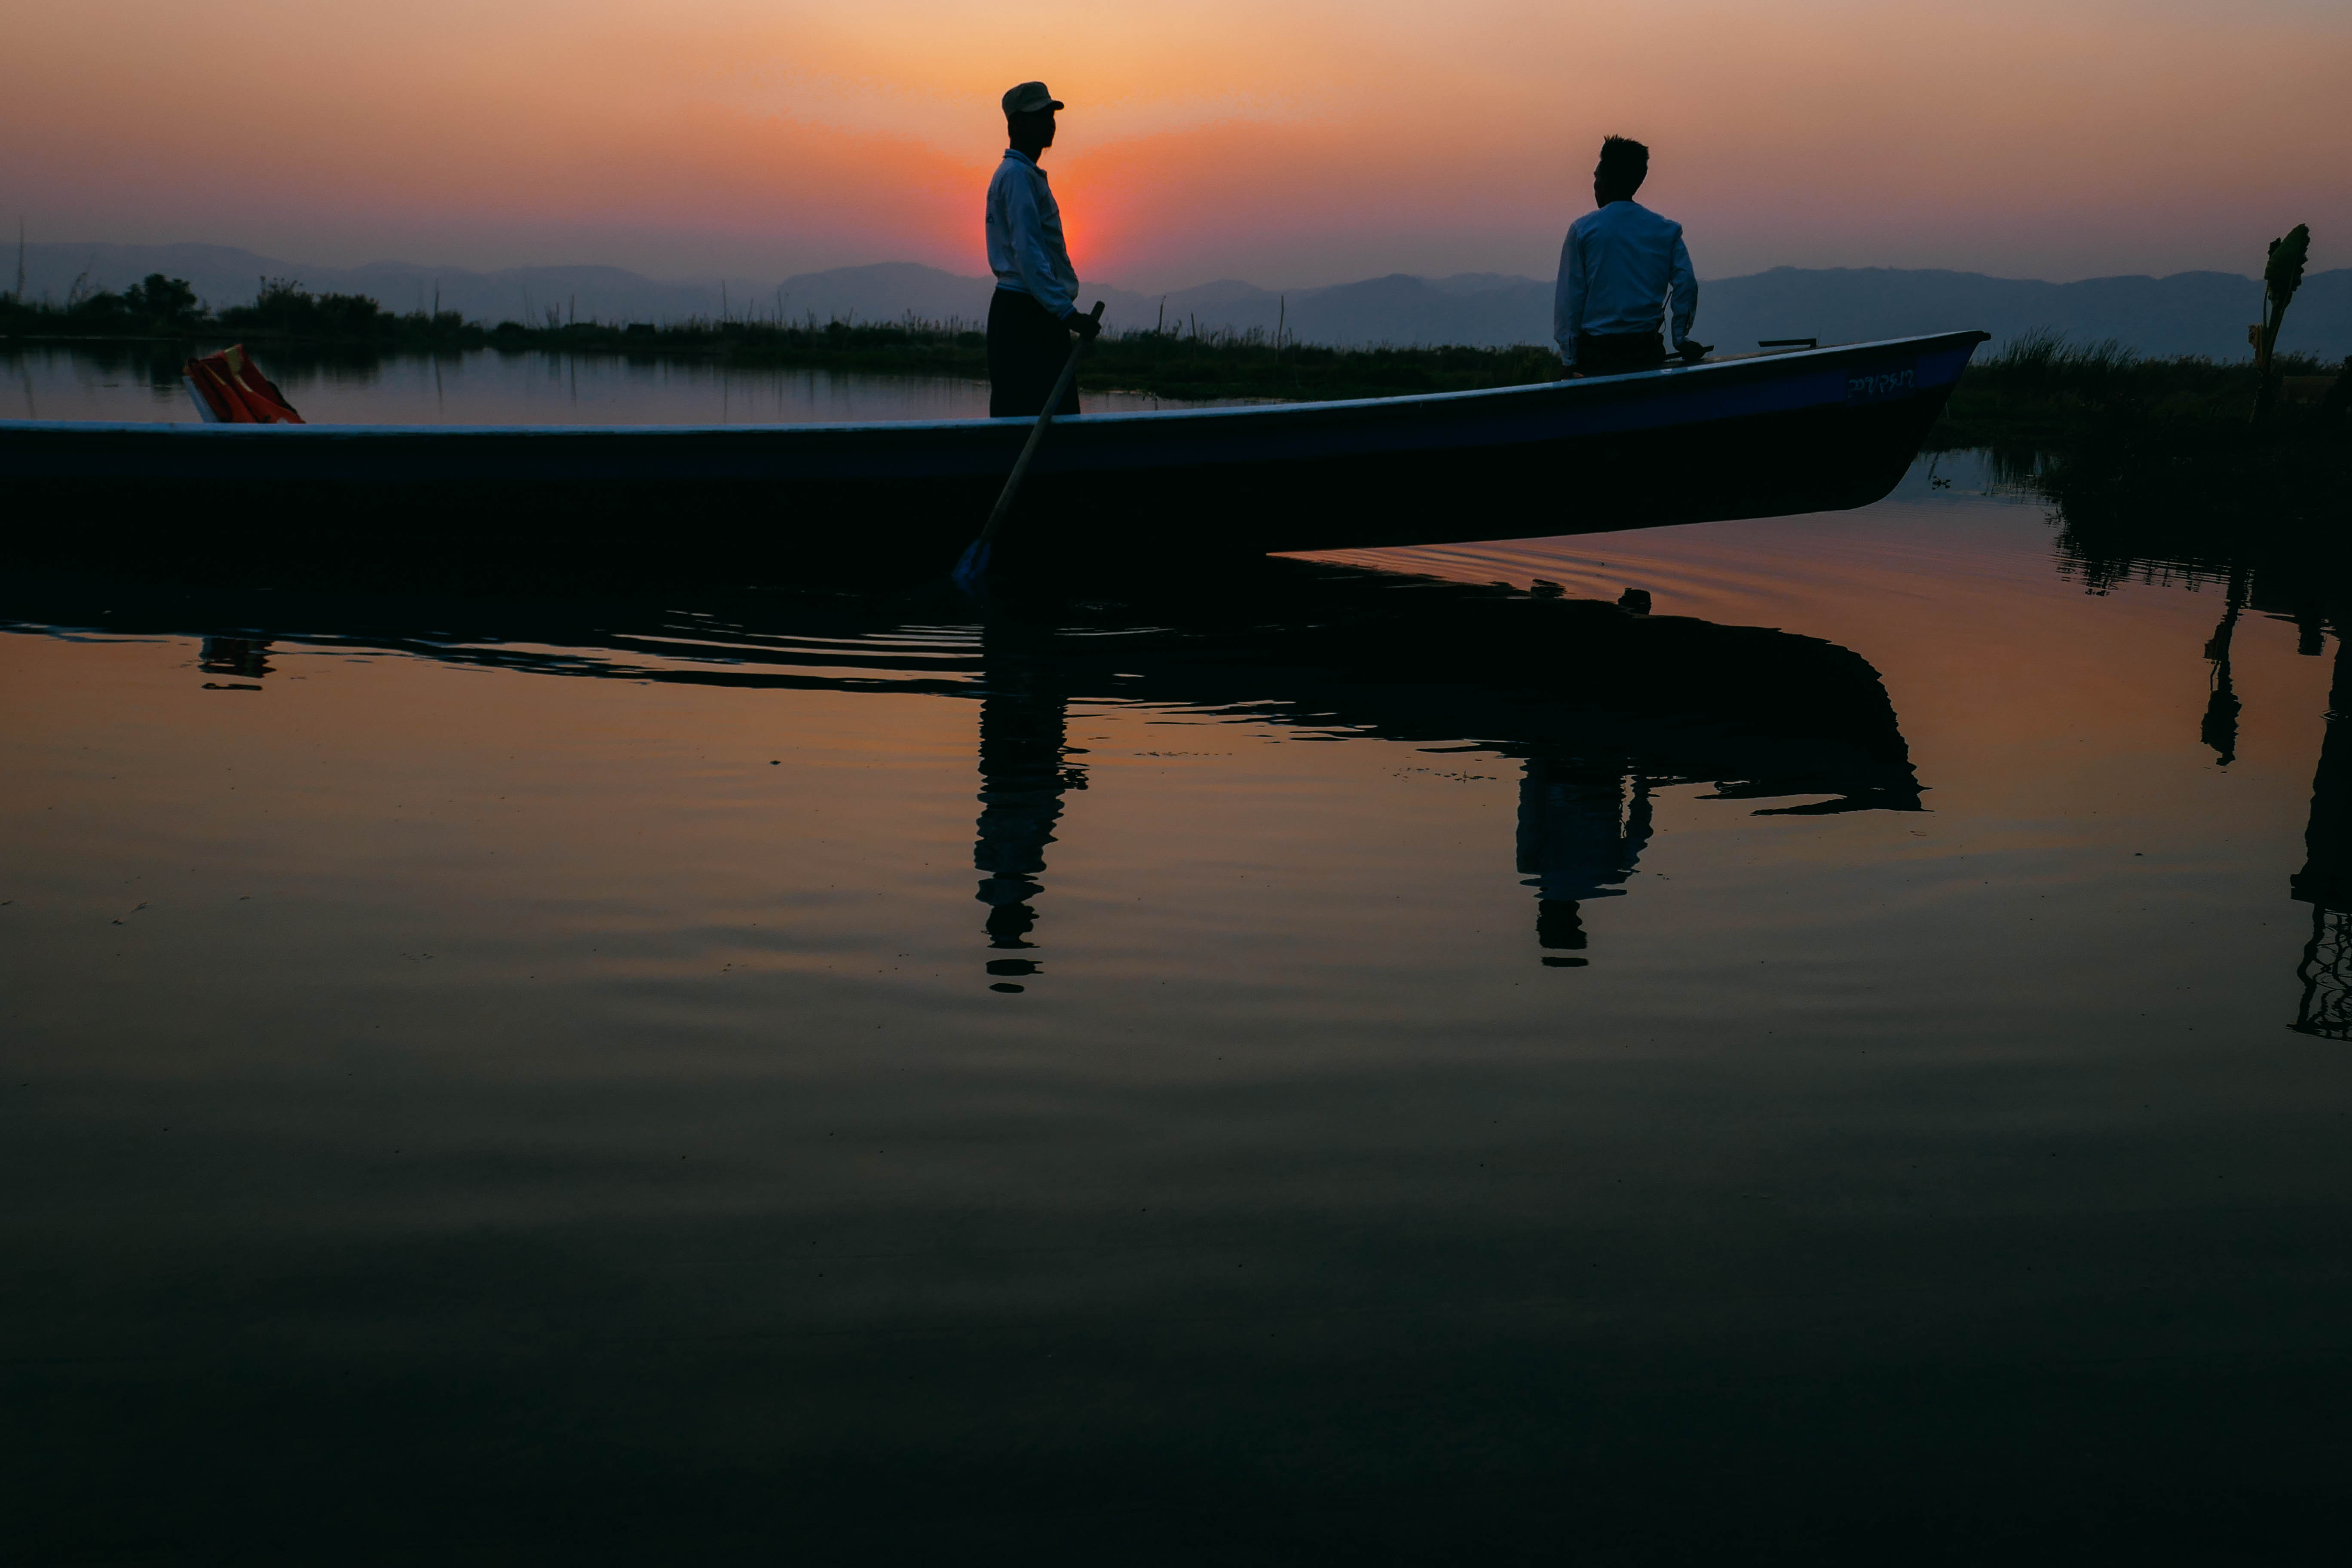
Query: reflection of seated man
point(1616, 270)
point(1579, 838)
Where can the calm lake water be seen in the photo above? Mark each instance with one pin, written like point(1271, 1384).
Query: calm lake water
point(730, 1080)
point(486, 386)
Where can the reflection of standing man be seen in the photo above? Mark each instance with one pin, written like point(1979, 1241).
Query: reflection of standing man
point(1023, 773)
point(1035, 307)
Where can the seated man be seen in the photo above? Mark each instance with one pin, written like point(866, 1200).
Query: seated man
point(1035, 307)
point(1616, 270)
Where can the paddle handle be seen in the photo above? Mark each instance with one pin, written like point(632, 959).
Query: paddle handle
point(1037, 435)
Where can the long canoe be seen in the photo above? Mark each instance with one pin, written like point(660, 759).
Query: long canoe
point(1752, 435)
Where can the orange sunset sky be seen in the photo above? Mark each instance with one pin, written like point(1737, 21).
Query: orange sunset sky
point(1287, 143)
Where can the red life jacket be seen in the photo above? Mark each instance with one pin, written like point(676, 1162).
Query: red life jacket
point(231, 390)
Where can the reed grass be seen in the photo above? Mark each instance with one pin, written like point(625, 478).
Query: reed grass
point(2041, 390)
point(1186, 362)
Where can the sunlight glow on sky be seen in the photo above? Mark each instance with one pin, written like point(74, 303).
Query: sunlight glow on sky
point(1286, 143)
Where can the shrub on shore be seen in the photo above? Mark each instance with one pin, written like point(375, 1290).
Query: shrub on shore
point(156, 306)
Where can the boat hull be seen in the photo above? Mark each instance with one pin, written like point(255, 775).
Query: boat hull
point(1759, 437)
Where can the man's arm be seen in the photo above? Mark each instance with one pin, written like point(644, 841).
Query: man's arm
point(1568, 299)
point(1686, 291)
point(1027, 231)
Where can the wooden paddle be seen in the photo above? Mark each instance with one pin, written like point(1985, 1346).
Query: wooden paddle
point(974, 564)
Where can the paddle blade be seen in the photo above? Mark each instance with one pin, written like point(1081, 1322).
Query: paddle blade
point(974, 564)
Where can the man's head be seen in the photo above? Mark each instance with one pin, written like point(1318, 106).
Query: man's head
point(1624, 164)
point(1029, 117)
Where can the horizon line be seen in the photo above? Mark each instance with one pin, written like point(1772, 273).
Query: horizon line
point(716, 279)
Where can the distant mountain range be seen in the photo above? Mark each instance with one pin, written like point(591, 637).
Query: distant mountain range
point(2188, 312)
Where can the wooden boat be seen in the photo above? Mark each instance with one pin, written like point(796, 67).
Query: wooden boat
point(1749, 435)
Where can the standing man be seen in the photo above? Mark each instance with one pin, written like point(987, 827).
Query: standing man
point(1035, 307)
point(1620, 264)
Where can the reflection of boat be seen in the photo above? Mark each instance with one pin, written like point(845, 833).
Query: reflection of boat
point(1601, 707)
point(1745, 436)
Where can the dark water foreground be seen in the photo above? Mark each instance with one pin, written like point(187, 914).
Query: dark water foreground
point(1341, 1072)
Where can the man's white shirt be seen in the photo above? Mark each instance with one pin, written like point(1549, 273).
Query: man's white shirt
point(1617, 268)
point(1025, 234)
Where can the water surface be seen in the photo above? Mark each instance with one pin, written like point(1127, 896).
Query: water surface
point(743, 1077)
point(493, 386)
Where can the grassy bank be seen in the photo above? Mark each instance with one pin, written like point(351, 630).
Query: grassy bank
point(2161, 458)
point(1183, 365)
point(2039, 393)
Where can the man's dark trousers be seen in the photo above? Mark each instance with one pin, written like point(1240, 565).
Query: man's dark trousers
point(1614, 353)
point(1027, 348)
